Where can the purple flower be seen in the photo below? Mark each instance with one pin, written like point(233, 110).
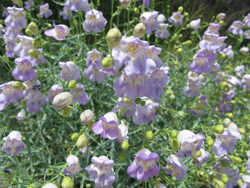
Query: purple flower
point(101, 170)
point(214, 68)
point(94, 74)
point(235, 28)
point(190, 143)
point(16, 18)
point(122, 132)
point(82, 95)
point(23, 70)
point(149, 20)
point(127, 110)
point(20, 115)
point(192, 89)
point(45, 11)
point(146, 113)
point(200, 63)
point(9, 95)
point(59, 32)
point(144, 166)
point(94, 59)
point(24, 46)
point(162, 32)
point(86, 6)
point(195, 24)
point(54, 90)
point(94, 21)
point(40, 58)
point(203, 99)
point(212, 42)
point(213, 29)
point(247, 20)
point(11, 34)
point(245, 83)
point(196, 112)
point(146, 2)
point(5, 12)
point(35, 99)
point(74, 5)
point(175, 167)
point(9, 47)
point(66, 13)
point(13, 143)
point(68, 69)
point(202, 159)
point(223, 107)
point(73, 167)
point(228, 52)
point(107, 126)
point(161, 18)
point(153, 53)
point(29, 4)
point(176, 19)
point(239, 70)
point(226, 141)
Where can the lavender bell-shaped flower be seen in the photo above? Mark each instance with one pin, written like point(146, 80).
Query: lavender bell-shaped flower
point(94, 74)
point(195, 24)
point(144, 166)
point(162, 32)
point(150, 22)
point(94, 59)
point(45, 11)
point(20, 115)
point(245, 83)
point(107, 126)
point(94, 21)
point(203, 158)
point(175, 167)
point(54, 90)
point(247, 20)
point(235, 28)
point(127, 110)
point(16, 18)
point(153, 52)
point(73, 167)
point(213, 28)
point(13, 143)
point(122, 132)
point(82, 95)
point(176, 19)
point(66, 13)
point(23, 70)
point(146, 2)
point(200, 63)
point(68, 69)
point(74, 5)
point(11, 34)
point(29, 4)
point(35, 100)
point(247, 34)
point(24, 46)
point(101, 170)
point(59, 32)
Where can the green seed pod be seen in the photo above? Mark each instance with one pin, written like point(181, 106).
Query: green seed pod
point(222, 56)
point(224, 178)
point(82, 141)
point(242, 169)
point(174, 178)
point(122, 157)
point(217, 183)
point(127, 101)
point(176, 63)
point(67, 182)
point(149, 135)
point(107, 62)
point(125, 145)
point(143, 103)
point(218, 129)
point(221, 22)
point(92, 6)
point(237, 160)
point(187, 43)
point(179, 51)
point(210, 142)
point(174, 133)
point(136, 10)
point(18, 85)
point(235, 168)
point(185, 14)
point(180, 9)
point(242, 131)
point(74, 136)
point(33, 28)
point(172, 97)
point(240, 182)
point(36, 43)
point(175, 144)
point(67, 111)
point(72, 84)
point(113, 37)
point(229, 115)
point(27, 31)
point(139, 30)
point(33, 53)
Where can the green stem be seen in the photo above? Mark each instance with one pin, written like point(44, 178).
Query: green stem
point(112, 11)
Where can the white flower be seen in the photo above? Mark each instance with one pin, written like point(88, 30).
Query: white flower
point(122, 132)
point(73, 167)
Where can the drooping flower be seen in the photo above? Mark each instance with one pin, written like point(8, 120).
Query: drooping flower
point(74, 5)
point(94, 59)
point(195, 24)
point(228, 52)
point(239, 70)
point(153, 52)
point(82, 95)
point(200, 63)
point(45, 11)
point(13, 143)
point(94, 21)
point(54, 90)
point(176, 19)
point(101, 170)
point(59, 32)
point(235, 28)
point(144, 166)
point(29, 4)
point(16, 18)
point(201, 159)
point(149, 20)
point(24, 70)
point(221, 16)
point(107, 126)
point(73, 167)
point(68, 69)
point(212, 42)
point(175, 167)
point(162, 32)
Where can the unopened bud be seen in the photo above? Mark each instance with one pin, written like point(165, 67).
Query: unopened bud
point(139, 30)
point(229, 115)
point(244, 50)
point(125, 145)
point(33, 53)
point(107, 62)
point(218, 129)
point(222, 56)
point(198, 106)
point(33, 28)
point(175, 144)
point(149, 135)
point(242, 131)
point(179, 51)
point(82, 141)
point(62, 99)
point(36, 43)
point(72, 84)
point(67, 182)
point(16, 1)
point(127, 101)
point(67, 111)
point(74, 136)
point(217, 183)
point(198, 154)
point(240, 182)
point(235, 168)
point(125, 3)
point(237, 159)
point(187, 43)
point(122, 157)
point(224, 178)
point(138, 101)
point(210, 142)
point(180, 9)
point(136, 10)
point(174, 133)
point(224, 163)
point(18, 85)
point(143, 103)
point(113, 37)
point(87, 116)
point(221, 22)
point(186, 14)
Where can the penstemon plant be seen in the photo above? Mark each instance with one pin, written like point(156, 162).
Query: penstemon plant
point(121, 98)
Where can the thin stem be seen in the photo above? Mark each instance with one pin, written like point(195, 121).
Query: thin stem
point(112, 11)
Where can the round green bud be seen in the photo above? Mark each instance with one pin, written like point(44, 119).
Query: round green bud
point(175, 144)
point(229, 115)
point(90, 125)
point(113, 37)
point(72, 84)
point(174, 178)
point(143, 103)
point(50, 171)
point(221, 22)
point(224, 178)
point(176, 63)
point(198, 154)
point(237, 160)
point(174, 133)
point(82, 141)
point(186, 14)
point(125, 145)
point(217, 183)
point(139, 30)
point(107, 62)
point(242, 169)
point(172, 97)
point(127, 101)
point(33, 53)
point(92, 6)
point(36, 43)
point(122, 157)
point(67, 182)
point(67, 111)
point(88, 186)
point(233, 102)
point(231, 165)
point(180, 9)
point(187, 43)
point(138, 100)
point(229, 68)
point(242, 131)
point(198, 106)
point(224, 163)
point(33, 28)
point(210, 142)
point(30, 186)
point(222, 56)
point(27, 31)
point(179, 51)
point(136, 10)
point(74, 136)
point(218, 129)
point(149, 135)
point(18, 85)
point(235, 168)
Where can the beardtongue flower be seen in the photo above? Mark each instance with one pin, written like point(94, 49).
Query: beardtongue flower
point(161, 18)
point(176, 19)
point(213, 28)
point(153, 52)
point(94, 21)
point(16, 18)
point(54, 90)
point(74, 5)
point(200, 63)
point(245, 83)
point(247, 34)
point(107, 126)
point(9, 47)
point(24, 46)
point(144, 166)
point(35, 99)
point(82, 95)
point(21, 115)
point(68, 69)
point(73, 167)
point(190, 143)
point(175, 167)
point(203, 158)
point(10, 33)
point(122, 132)
point(149, 20)
point(235, 28)
point(50, 185)
point(9, 94)
point(195, 24)
point(24, 70)
point(94, 59)
point(66, 13)
point(29, 4)
point(101, 170)
point(59, 32)
point(94, 75)
point(146, 2)
point(13, 143)
point(45, 11)
point(162, 32)
point(247, 20)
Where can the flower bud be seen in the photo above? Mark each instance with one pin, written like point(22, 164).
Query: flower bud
point(107, 62)
point(122, 157)
point(67, 111)
point(113, 37)
point(92, 6)
point(221, 22)
point(149, 135)
point(36, 43)
point(235, 168)
point(175, 144)
point(179, 51)
point(33, 53)
point(125, 3)
point(174, 178)
point(186, 14)
point(242, 169)
point(33, 28)
point(125, 145)
point(143, 103)
point(240, 182)
point(244, 50)
point(136, 10)
point(67, 182)
point(139, 30)
point(198, 106)
point(210, 142)
point(222, 56)
point(198, 154)
point(242, 131)
point(224, 163)
point(72, 84)
point(218, 129)
point(174, 133)
point(187, 43)
point(62, 99)
point(86, 117)
point(90, 125)
point(224, 178)
point(229, 115)
point(138, 101)
point(180, 9)
point(217, 183)
point(172, 97)
point(18, 85)
point(74, 136)
point(236, 160)
point(30, 186)
point(127, 101)
point(221, 16)
point(82, 141)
